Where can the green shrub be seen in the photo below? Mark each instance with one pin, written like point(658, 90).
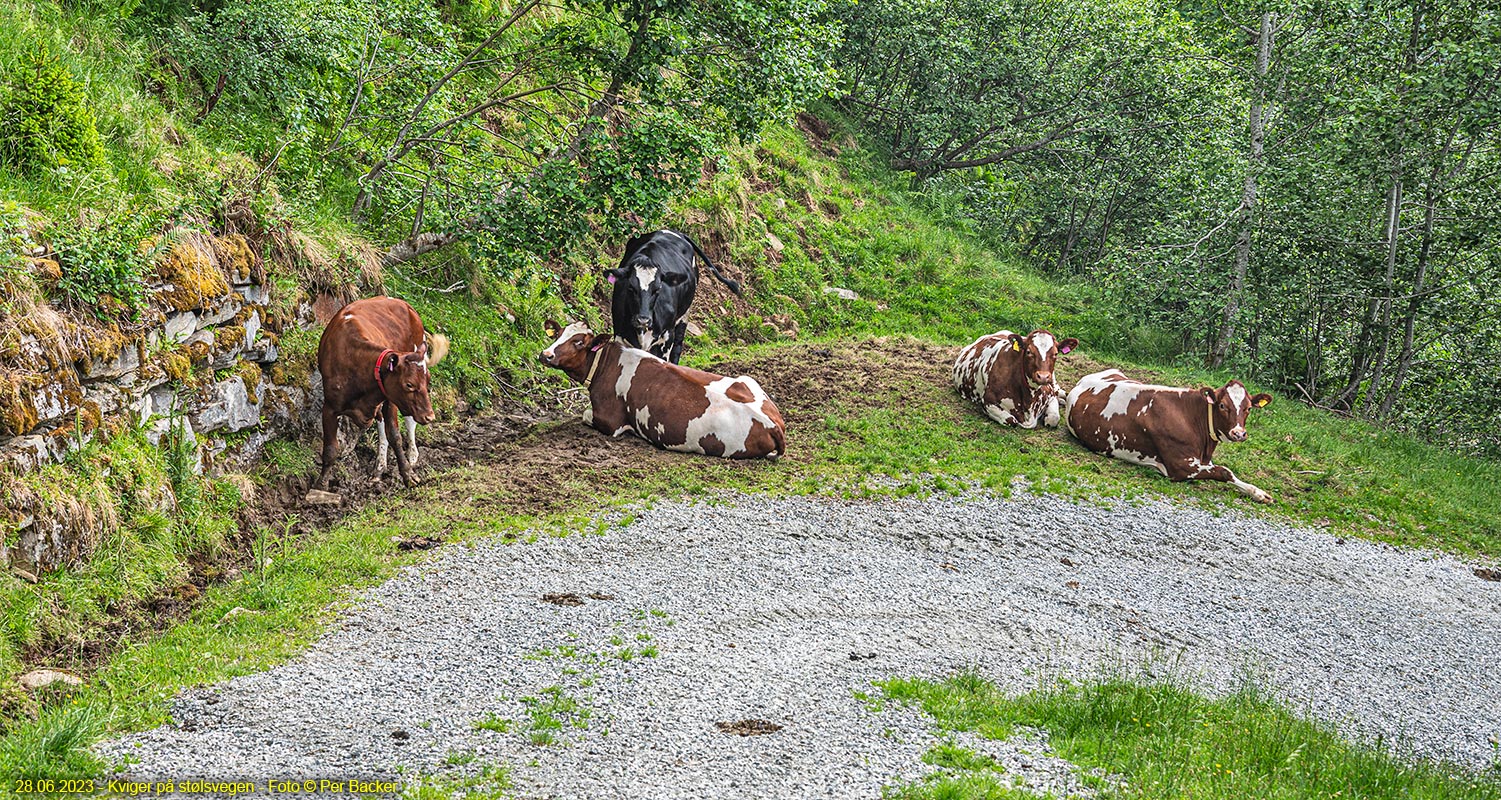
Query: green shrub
point(47, 123)
point(107, 259)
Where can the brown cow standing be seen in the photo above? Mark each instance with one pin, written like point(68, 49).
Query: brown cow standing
point(673, 407)
point(1171, 429)
point(374, 357)
point(1011, 376)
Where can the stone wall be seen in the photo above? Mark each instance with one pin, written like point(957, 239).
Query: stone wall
point(207, 354)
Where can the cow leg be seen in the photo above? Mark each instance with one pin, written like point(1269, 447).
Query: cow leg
point(1000, 414)
point(392, 433)
point(330, 446)
point(1051, 415)
point(382, 449)
point(677, 342)
point(412, 440)
point(1215, 472)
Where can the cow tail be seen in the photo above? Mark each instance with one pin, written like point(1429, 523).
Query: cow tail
point(733, 284)
point(437, 347)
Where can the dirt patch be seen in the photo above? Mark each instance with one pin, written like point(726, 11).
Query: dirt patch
point(1488, 574)
point(748, 727)
point(806, 380)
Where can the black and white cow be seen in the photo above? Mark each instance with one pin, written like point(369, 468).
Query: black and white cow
point(654, 285)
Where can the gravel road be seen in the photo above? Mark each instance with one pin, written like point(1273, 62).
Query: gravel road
point(765, 608)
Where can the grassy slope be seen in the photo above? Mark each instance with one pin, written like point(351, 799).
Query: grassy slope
point(849, 224)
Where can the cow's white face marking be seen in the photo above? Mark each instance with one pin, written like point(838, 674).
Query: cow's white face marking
point(1045, 345)
point(1238, 398)
point(645, 274)
point(569, 332)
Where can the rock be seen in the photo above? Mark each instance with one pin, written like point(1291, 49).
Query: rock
point(262, 352)
point(159, 402)
point(776, 244)
point(222, 310)
point(844, 294)
point(228, 407)
point(39, 679)
point(27, 453)
point(318, 497)
point(128, 360)
point(694, 330)
point(161, 425)
point(254, 295)
point(180, 326)
point(253, 326)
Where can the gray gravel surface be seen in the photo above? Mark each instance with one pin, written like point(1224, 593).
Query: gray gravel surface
point(756, 607)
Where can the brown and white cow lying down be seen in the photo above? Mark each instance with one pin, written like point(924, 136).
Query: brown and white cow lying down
point(374, 358)
point(1011, 376)
point(1172, 429)
point(671, 406)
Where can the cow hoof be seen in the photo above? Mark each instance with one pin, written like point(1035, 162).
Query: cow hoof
point(1264, 498)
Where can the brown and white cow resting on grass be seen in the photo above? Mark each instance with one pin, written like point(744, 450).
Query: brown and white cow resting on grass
point(671, 406)
point(374, 357)
point(1011, 376)
point(1173, 430)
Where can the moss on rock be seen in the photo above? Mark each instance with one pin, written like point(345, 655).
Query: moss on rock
point(191, 276)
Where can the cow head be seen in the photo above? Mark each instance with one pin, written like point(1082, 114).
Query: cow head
point(404, 380)
point(650, 297)
point(571, 346)
point(1040, 353)
point(1229, 406)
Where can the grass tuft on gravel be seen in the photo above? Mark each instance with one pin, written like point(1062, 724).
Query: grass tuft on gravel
point(1163, 740)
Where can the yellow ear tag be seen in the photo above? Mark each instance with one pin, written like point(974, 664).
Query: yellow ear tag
point(1015, 345)
point(1262, 403)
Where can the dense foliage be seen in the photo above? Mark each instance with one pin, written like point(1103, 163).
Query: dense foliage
point(1306, 193)
point(45, 120)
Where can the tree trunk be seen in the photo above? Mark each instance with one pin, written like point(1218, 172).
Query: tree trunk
point(1409, 322)
point(1383, 328)
point(1247, 212)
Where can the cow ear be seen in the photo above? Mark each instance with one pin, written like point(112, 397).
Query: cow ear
point(613, 275)
point(1261, 400)
point(552, 328)
point(600, 340)
point(1208, 393)
point(389, 364)
point(1068, 345)
point(1016, 342)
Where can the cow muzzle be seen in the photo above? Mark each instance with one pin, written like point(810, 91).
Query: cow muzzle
point(1236, 434)
point(643, 324)
point(1042, 378)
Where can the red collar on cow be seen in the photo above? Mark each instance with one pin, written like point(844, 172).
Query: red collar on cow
point(380, 361)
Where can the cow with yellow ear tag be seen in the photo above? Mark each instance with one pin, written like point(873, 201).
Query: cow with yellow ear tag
point(1010, 376)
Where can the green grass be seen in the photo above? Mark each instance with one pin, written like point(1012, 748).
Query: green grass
point(1166, 741)
point(489, 782)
